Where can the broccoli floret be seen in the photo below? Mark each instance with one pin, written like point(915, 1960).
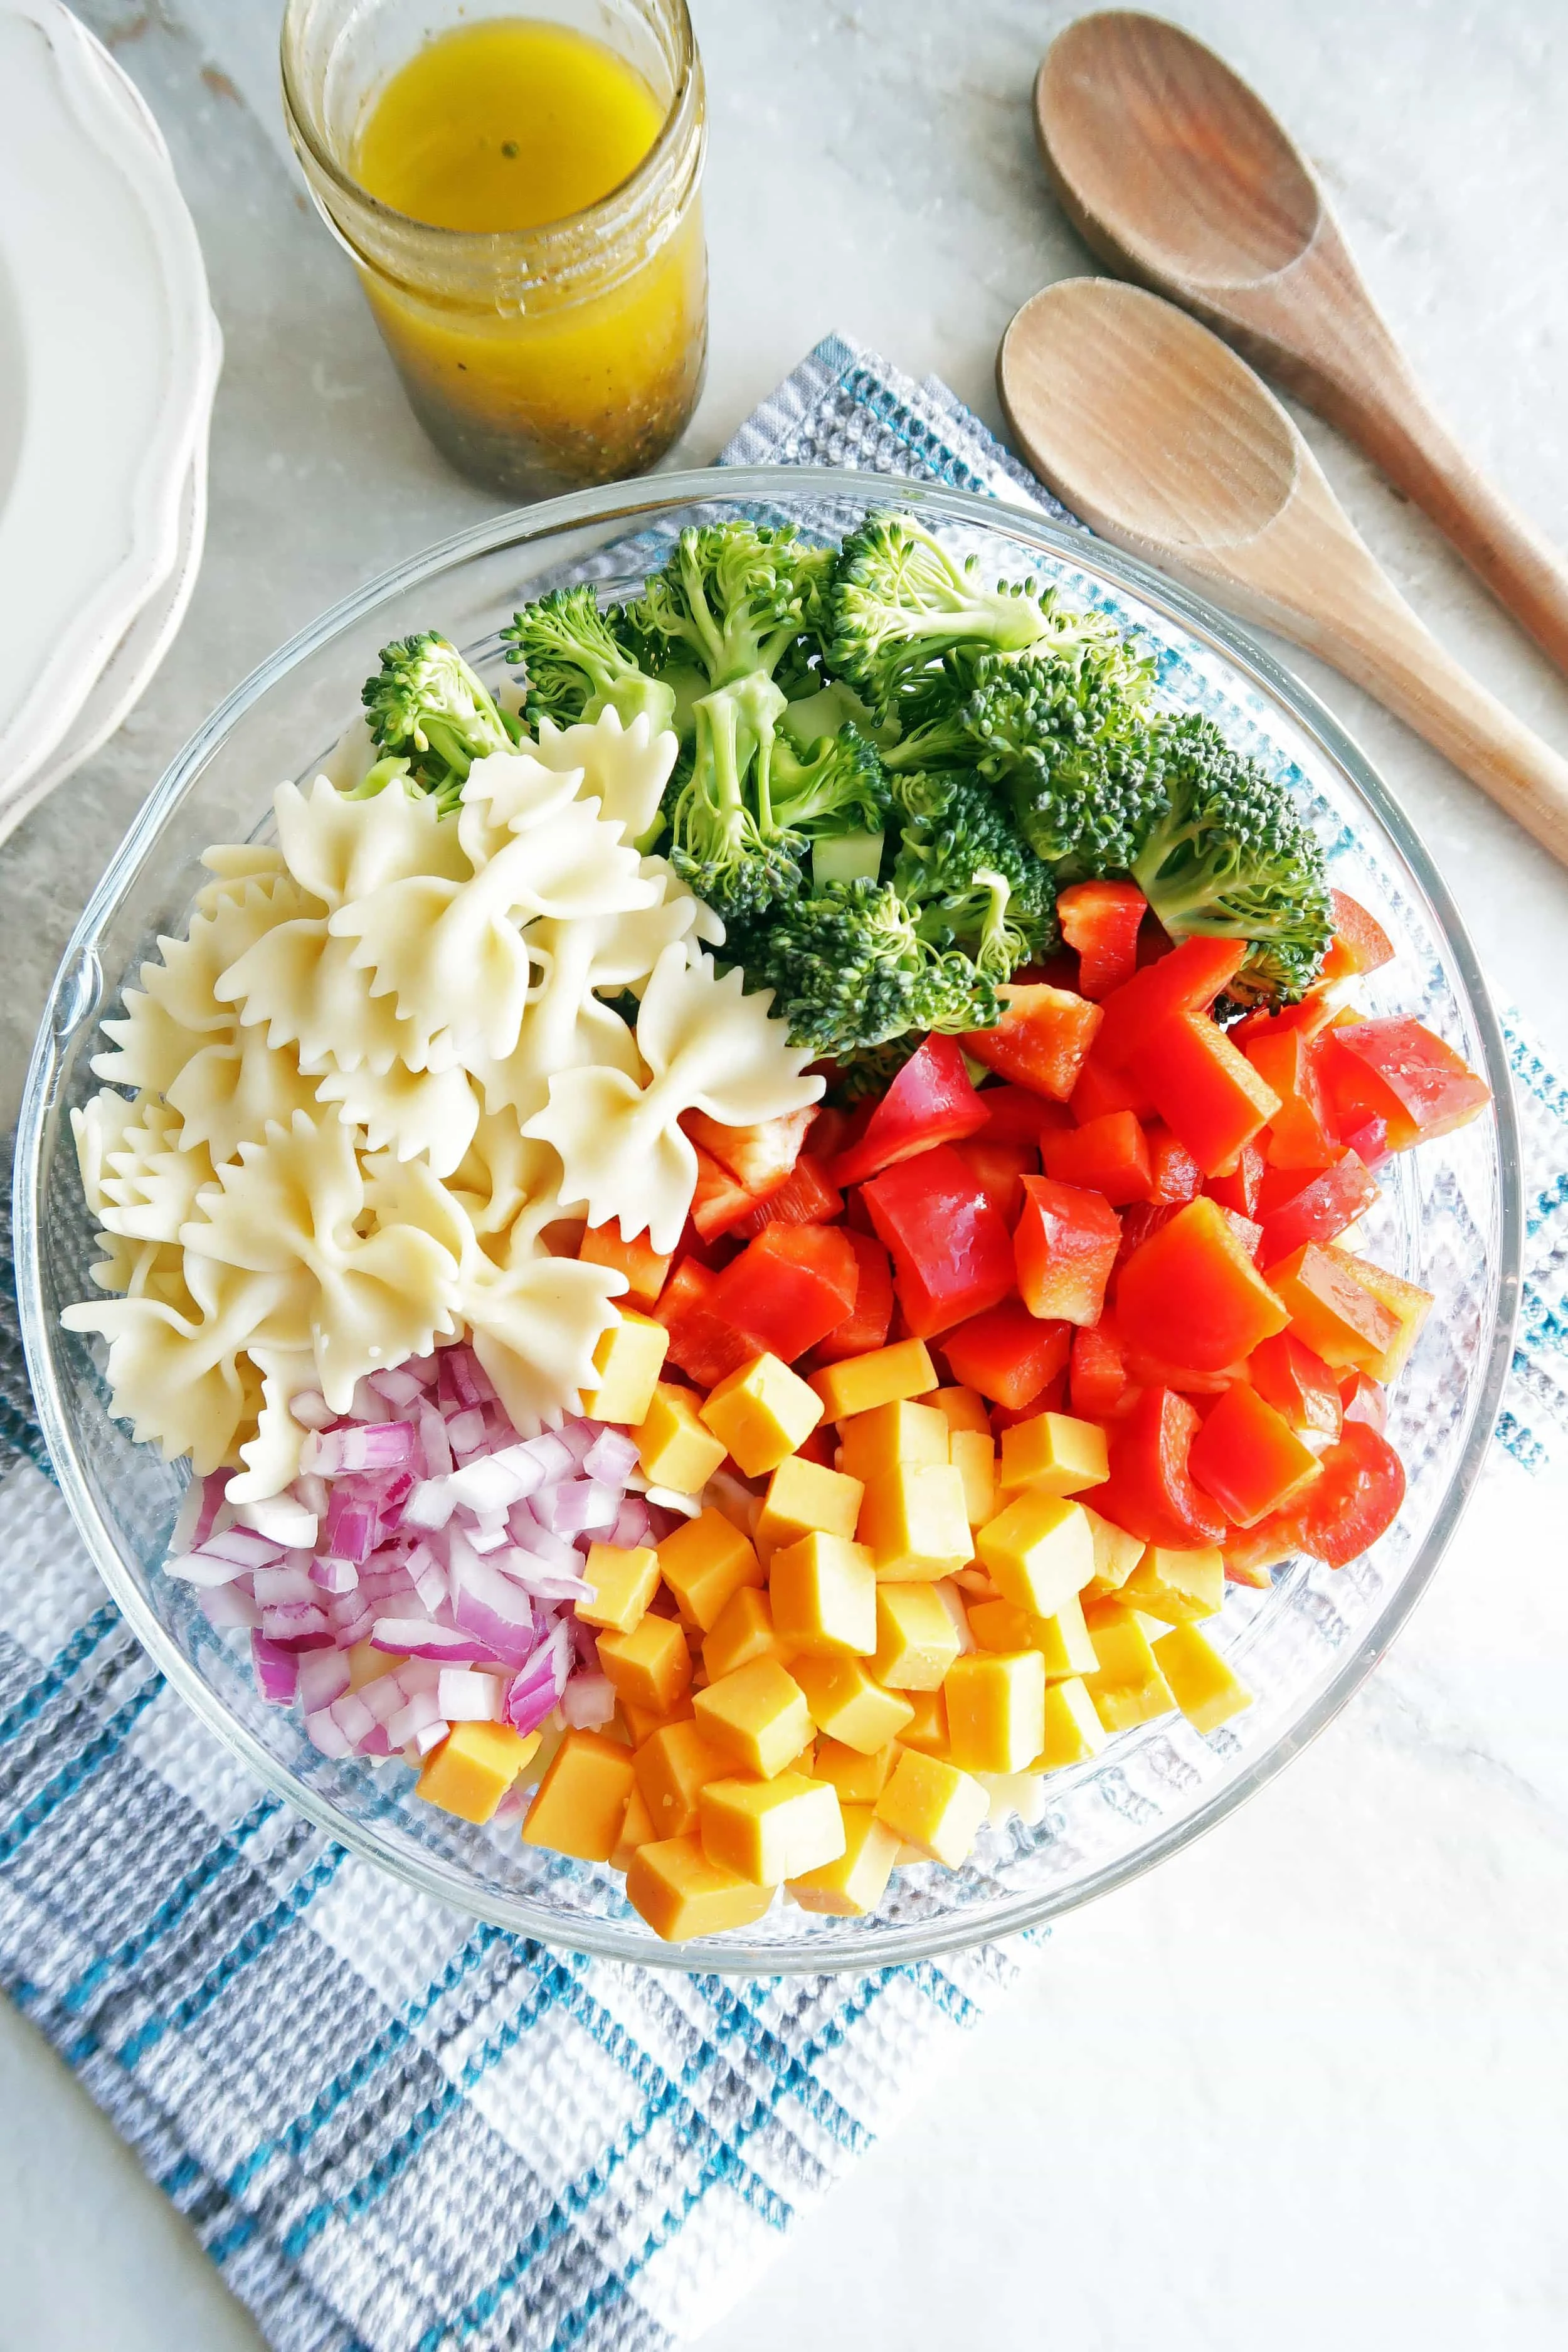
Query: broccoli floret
point(727, 848)
point(1070, 743)
point(427, 707)
point(840, 787)
point(825, 708)
point(576, 666)
point(967, 877)
point(849, 970)
point(1229, 856)
point(900, 602)
point(733, 598)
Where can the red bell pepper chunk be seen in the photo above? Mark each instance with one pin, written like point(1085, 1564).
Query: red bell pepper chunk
point(1109, 1156)
point(804, 1198)
point(866, 1325)
point(1064, 1247)
point(790, 1287)
point(757, 1156)
point(1321, 1210)
point(1042, 1039)
point(1311, 1016)
point(1298, 1134)
point(1017, 1115)
point(1355, 1501)
point(952, 1254)
point(1248, 1457)
point(1145, 1370)
point(645, 1269)
point(1142, 1220)
point(1239, 1190)
point(1360, 942)
point(1186, 981)
point(1370, 1144)
point(702, 1344)
point(1100, 919)
point(1363, 1398)
point(1000, 1169)
point(1206, 1093)
point(1174, 1174)
point(720, 1200)
point(1298, 1384)
point(1097, 1375)
point(1101, 1089)
point(1007, 1354)
point(1399, 1072)
point(1150, 1491)
point(930, 1102)
point(1193, 1295)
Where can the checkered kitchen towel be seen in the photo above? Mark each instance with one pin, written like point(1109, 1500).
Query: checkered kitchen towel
point(391, 2128)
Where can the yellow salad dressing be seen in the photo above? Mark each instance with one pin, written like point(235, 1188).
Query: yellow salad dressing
point(581, 354)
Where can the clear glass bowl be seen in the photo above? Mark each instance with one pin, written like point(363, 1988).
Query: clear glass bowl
point(1450, 1218)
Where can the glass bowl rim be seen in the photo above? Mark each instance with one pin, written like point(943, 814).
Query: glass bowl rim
point(645, 500)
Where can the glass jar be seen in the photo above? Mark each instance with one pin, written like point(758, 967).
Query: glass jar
point(538, 359)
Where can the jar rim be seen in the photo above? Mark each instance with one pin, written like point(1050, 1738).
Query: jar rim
point(618, 205)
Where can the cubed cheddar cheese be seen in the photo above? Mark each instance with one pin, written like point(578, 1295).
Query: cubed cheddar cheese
point(860, 1779)
point(581, 1803)
point(1038, 1550)
point(860, 1384)
point(962, 1409)
point(673, 1447)
point(623, 1580)
point(642, 1722)
point(743, 1633)
point(761, 1414)
point(627, 1361)
point(474, 1766)
point(824, 1592)
point(1176, 1586)
point(974, 1456)
point(926, 1730)
point(1062, 1641)
point(1074, 1731)
point(650, 1667)
point(855, 1883)
point(932, 1805)
point(1206, 1690)
point(671, 1769)
point(915, 1522)
point(1053, 1454)
point(871, 1443)
point(704, 1561)
point(996, 1710)
point(637, 1829)
point(682, 1895)
point(849, 1706)
point(1116, 1554)
point(1126, 1687)
point(806, 1498)
point(756, 1717)
point(768, 1830)
point(917, 1640)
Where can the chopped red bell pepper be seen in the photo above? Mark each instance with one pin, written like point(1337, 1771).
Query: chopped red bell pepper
point(1332, 1310)
point(1186, 981)
point(1064, 1246)
point(1321, 1210)
point(952, 1254)
point(1247, 1232)
point(866, 1325)
point(1109, 1156)
point(1147, 1371)
point(1355, 1501)
point(757, 1157)
point(1251, 1552)
point(702, 1344)
point(720, 1200)
point(1174, 1174)
point(1298, 1384)
point(930, 1102)
point(1248, 1457)
point(1017, 1115)
point(1150, 1491)
point(804, 1198)
point(1399, 1072)
point(1360, 942)
point(1097, 1375)
point(1311, 1016)
point(1298, 1134)
point(1000, 1169)
point(1101, 1089)
point(646, 1270)
point(1363, 1398)
point(1100, 919)
point(1041, 1041)
point(1206, 1093)
point(1052, 1398)
point(1239, 1189)
point(1142, 1220)
point(1370, 1144)
point(1007, 1353)
point(1193, 1295)
point(790, 1287)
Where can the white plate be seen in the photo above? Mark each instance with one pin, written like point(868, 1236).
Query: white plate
point(108, 360)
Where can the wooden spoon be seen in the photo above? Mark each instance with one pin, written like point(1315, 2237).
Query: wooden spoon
point(1162, 440)
point(1177, 175)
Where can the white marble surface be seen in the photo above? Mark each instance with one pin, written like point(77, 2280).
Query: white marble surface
point(1311, 2080)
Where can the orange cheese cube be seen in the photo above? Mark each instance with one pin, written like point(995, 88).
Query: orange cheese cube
point(673, 1447)
point(917, 1640)
point(642, 1722)
point(996, 1710)
point(847, 1704)
point(650, 1667)
point(824, 1597)
point(580, 1802)
point(627, 1362)
point(926, 1730)
point(934, 1806)
point(962, 1409)
point(860, 1779)
point(1039, 1551)
point(624, 1581)
point(860, 1384)
point(1409, 1307)
point(637, 1829)
point(1074, 1731)
point(742, 1632)
point(915, 1520)
point(1062, 1641)
point(768, 1830)
point(761, 1414)
point(756, 1717)
point(672, 1767)
point(872, 1443)
point(704, 1562)
point(1054, 1454)
point(1176, 1586)
point(1126, 1687)
point(473, 1767)
point(1116, 1554)
point(974, 1459)
point(855, 1883)
point(804, 1498)
point(682, 1895)
point(1206, 1691)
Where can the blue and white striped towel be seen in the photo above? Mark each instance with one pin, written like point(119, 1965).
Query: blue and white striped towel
point(393, 2130)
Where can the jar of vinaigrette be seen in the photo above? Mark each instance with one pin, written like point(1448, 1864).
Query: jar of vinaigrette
point(521, 196)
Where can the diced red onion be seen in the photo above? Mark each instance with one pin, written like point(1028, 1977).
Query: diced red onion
point(631, 1527)
point(434, 1442)
point(352, 1717)
point(430, 1505)
point(466, 1429)
point(349, 1530)
point(383, 1696)
point(491, 1483)
point(492, 1535)
point(428, 1576)
point(582, 1503)
point(579, 1438)
point(323, 1676)
point(367, 1406)
point(281, 1519)
point(229, 1609)
point(333, 1575)
point(465, 1696)
point(399, 1388)
point(497, 1610)
point(613, 1456)
point(311, 1409)
point(240, 1546)
point(588, 1701)
point(431, 1736)
point(277, 1671)
point(311, 1491)
point(556, 1460)
point(272, 1586)
point(414, 1715)
point(418, 1637)
point(324, 1732)
point(296, 1620)
point(351, 1630)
